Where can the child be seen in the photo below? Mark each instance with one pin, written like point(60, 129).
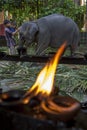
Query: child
point(9, 37)
point(13, 26)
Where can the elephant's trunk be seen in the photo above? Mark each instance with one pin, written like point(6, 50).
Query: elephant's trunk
point(21, 49)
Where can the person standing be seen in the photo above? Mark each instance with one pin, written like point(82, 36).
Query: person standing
point(9, 34)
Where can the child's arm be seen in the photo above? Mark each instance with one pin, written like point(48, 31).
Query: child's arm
point(17, 30)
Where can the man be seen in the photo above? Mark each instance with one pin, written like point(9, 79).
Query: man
point(9, 37)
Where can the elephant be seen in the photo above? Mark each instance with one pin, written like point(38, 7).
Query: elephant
point(50, 31)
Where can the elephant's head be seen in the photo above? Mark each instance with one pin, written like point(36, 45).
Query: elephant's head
point(27, 34)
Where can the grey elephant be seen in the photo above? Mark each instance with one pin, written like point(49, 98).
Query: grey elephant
point(51, 30)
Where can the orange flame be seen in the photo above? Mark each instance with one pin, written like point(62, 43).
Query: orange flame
point(45, 80)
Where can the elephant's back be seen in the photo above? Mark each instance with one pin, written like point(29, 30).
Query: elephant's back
point(57, 24)
point(62, 29)
point(60, 23)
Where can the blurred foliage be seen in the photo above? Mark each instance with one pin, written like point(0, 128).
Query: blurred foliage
point(70, 79)
point(31, 9)
point(67, 8)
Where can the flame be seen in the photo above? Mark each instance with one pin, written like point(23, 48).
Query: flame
point(45, 80)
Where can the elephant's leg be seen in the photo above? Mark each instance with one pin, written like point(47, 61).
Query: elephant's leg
point(74, 42)
point(43, 44)
point(41, 48)
point(73, 49)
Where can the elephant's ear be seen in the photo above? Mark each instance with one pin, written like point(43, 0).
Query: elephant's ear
point(32, 31)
